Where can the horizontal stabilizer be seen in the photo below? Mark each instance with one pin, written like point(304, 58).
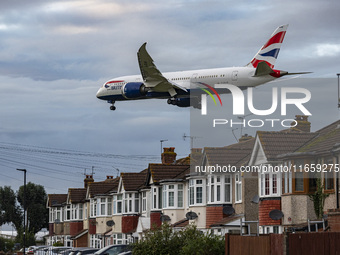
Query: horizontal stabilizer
point(263, 69)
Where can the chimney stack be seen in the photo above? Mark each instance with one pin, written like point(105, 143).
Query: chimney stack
point(302, 123)
point(88, 180)
point(169, 155)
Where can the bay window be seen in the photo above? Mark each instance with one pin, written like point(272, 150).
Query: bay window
point(219, 189)
point(131, 202)
point(93, 207)
point(172, 196)
point(270, 184)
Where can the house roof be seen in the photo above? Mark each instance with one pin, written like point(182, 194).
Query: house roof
point(133, 181)
point(327, 138)
point(236, 154)
point(181, 223)
point(276, 143)
point(56, 199)
point(76, 195)
point(227, 220)
point(102, 188)
point(161, 172)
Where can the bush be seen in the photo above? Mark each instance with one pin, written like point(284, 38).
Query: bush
point(165, 240)
point(6, 244)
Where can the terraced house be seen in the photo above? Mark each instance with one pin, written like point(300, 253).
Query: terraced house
point(188, 191)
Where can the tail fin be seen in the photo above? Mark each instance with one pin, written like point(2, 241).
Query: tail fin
point(270, 50)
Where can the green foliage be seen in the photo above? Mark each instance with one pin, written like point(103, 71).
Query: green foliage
point(9, 210)
point(6, 244)
point(58, 244)
point(318, 199)
point(29, 238)
point(37, 213)
point(189, 241)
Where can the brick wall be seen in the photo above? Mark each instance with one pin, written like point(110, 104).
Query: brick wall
point(214, 214)
point(81, 241)
point(76, 227)
point(129, 223)
point(155, 219)
point(51, 229)
point(265, 207)
point(92, 226)
point(334, 220)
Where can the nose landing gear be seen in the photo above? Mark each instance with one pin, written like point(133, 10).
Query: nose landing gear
point(112, 107)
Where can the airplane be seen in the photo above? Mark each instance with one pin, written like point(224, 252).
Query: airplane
point(176, 86)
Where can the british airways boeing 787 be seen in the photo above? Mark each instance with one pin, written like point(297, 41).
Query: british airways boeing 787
point(176, 86)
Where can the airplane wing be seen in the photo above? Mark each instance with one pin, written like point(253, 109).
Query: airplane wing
point(152, 77)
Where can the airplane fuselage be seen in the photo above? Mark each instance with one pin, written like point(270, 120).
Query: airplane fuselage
point(243, 77)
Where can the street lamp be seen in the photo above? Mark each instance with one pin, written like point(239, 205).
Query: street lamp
point(24, 170)
point(338, 74)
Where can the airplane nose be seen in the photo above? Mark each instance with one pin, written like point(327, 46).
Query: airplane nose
point(99, 93)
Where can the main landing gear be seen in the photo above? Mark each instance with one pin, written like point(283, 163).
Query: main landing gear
point(112, 107)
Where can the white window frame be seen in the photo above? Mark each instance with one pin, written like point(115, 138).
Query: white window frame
point(194, 186)
point(144, 201)
point(238, 188)
point(216, 188)
point(117, 204)
point(93, 207)
point(175, 191)
point(270, 184)
point(156, 195)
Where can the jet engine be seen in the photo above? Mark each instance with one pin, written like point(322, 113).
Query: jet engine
point(134, 90)
point(185, 102)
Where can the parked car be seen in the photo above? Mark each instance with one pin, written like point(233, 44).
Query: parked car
point(86, 251)
point(114, 249)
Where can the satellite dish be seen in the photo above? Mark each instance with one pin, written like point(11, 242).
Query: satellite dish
point(165, 218)
point(191, 215)
point(93, 223)
point(228, 210)
point(275, 214)
point(110, 223)
point(256, 199)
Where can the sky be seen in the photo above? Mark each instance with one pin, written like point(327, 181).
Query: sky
point(54, 56)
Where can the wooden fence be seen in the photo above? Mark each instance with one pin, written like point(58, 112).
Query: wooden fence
point(279, 244)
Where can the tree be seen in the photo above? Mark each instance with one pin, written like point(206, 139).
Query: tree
point(37, 213)
point(318, 198)
point(9, 209)
point(165, 240)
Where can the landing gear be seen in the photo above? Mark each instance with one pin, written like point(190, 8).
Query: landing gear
point(112, 107)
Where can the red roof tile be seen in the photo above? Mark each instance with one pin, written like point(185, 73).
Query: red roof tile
point(56, 199)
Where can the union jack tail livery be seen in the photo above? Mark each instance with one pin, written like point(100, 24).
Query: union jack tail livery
point(269, 52)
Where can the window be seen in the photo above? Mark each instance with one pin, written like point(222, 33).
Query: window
point(68, 213)
point(117, 204)
point(95, 241)
point(109, 206)
point(93, 207)
point(269, 184)
point(299, 181)
point(156, 198)
point(56, 214)
point(329, 180)
point(227, 188)
point(144, 199)
point(172, 195)
point(219, 187)
point(288, 187)
point(102, 206)
point(238, 188)
point(196, 191)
